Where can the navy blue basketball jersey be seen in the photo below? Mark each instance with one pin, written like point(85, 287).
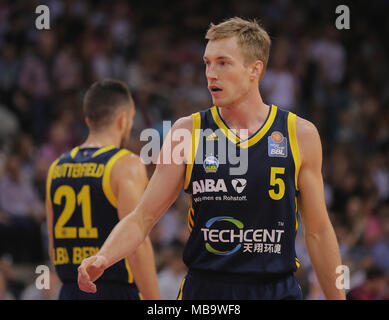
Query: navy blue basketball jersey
point(84, 210)
point(243, 222)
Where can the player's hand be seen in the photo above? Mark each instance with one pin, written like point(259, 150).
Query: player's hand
point(89, 271)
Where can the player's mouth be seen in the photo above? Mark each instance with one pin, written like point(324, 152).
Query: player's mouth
point(215, 90)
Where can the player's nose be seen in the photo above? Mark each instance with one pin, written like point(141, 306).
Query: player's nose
point(210, 73)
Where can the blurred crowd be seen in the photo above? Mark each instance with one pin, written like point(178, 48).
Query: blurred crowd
point(335, 78)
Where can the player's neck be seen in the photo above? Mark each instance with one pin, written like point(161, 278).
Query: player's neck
point(99, 140)
point(249, 113)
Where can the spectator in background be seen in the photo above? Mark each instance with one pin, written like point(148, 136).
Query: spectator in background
point(373, 288)
point(4, 293)
point(21, 212)
point(25, 149)
point(174, 271)
point(380, 250)
point(58, 142)
point(9, 125)
point(36, 81)
point(279, 85)
point(67, 70)
point(9, 71)
point(330, 55)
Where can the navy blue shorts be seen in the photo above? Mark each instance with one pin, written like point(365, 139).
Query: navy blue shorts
point(204, 285)
point(105, 291)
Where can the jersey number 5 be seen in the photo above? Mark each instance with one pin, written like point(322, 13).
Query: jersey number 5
point(83, 200)
point(276, 181)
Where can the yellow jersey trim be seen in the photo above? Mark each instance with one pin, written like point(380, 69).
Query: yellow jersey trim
point(297, 224)
point(220, 123)
point(102, 150)
point(190, 214)
point(181, 289)
point(294, 145)
point(74, 152)
point(49, 178)
point(298, 263)
point(130, 275)
point(107, 176)
point(196, 118)
point(255, 138)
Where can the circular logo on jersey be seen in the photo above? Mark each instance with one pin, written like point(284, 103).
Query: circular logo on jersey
point(211, 164)
point(277, 136)
point(238, 224)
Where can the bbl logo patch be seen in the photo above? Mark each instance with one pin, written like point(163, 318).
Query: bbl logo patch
point(277, 145)
point(211, 164)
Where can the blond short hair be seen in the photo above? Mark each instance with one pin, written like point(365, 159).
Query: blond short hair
point(252, 38)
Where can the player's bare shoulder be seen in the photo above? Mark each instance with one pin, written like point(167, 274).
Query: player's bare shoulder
point(308, 140)
point(129, 166)
point(183, 123)
point(177, 144)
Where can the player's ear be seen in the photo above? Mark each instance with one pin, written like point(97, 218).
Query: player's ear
point(87, 122)
point(121, 120)
point(256, 70)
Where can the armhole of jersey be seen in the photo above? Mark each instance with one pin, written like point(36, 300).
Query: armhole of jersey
point(191, 214)
point(181, 289)
point(49, 179)
point(128, 268)
point(294, 145)
point(107, 176)
point(196, 118)
point(297, 163)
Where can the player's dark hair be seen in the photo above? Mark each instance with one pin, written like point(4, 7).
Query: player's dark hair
point(103, 99)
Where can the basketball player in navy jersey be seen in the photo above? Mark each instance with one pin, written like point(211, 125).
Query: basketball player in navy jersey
point(242, 227)
point(89, 190)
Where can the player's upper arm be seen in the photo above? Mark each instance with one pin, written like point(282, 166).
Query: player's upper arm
point(177, 143)
point(310, 181)
point(168, 178)
point(309, 144)
point(128, 182)
point(166, 182)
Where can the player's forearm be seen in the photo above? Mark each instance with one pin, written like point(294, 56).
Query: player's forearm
point(143, 268)
point(125, 237)
point(325, 257)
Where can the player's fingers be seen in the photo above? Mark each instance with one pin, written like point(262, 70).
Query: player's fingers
point(92, 287)
point(87, 286)
point(83, 280)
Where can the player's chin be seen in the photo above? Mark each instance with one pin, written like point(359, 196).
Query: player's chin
point(218, 101)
